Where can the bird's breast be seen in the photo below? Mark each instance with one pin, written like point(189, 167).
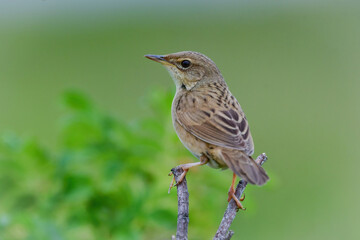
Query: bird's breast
point(195, 145)
point(198, 147)
point(192, 143)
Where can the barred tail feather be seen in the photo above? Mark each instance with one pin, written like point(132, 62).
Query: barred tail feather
point(244, 166)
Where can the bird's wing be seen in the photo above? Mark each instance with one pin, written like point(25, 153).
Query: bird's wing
point(218, 121)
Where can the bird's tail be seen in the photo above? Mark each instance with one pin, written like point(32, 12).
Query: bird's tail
point(244, 166)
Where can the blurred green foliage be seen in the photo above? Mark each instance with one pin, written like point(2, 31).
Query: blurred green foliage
point(101, 184)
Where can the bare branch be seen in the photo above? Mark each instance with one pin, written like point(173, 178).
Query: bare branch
point(229, 235)
point(223, 232)
point(183, 205)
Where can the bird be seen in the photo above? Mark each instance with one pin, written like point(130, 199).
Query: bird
point(208, 119)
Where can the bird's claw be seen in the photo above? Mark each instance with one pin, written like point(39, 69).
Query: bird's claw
point(242, 198)
point(181, 178)
point(238, 201)
point(171, 184)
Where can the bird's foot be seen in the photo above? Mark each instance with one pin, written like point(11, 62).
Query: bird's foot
point(185, 168)
point(181, 178)
point(238, 201)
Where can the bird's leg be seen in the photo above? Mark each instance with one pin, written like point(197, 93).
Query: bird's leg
point(231, 194)
point(186, 167)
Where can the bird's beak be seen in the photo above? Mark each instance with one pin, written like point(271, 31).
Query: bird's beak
point(158, 58)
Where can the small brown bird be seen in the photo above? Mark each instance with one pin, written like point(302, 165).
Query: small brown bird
point(209, 120)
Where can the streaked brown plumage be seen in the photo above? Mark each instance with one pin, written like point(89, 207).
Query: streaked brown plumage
point(208, 119)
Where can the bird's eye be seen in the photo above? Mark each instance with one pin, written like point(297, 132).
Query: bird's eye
point(185, 63)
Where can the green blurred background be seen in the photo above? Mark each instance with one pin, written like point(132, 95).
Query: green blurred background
point(86, 135)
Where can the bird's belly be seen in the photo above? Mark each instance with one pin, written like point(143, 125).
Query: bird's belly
point(198, 147)
point(192, 143)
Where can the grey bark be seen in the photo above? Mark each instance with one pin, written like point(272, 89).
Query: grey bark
point(183, 205)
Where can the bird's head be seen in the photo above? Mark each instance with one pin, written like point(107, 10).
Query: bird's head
point(188, 68)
